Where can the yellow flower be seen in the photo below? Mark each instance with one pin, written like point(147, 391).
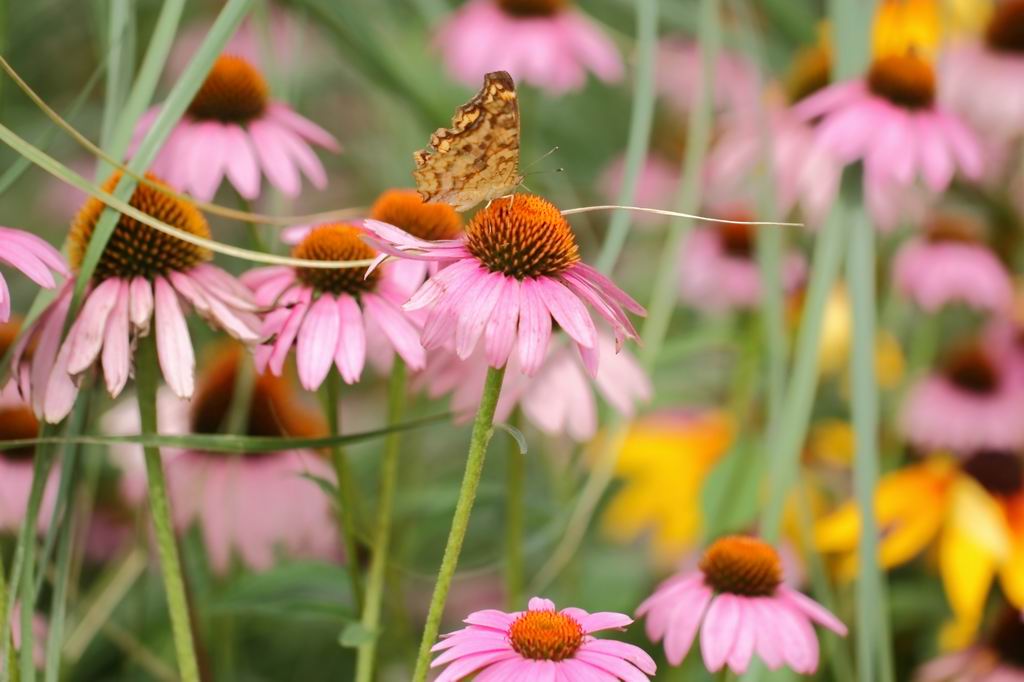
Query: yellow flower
point(831, 441)
point(907, 27)
point(664, 462)
point(979, 536)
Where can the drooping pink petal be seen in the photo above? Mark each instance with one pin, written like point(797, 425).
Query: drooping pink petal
point(117, 352)
point(317, 342)
point(243, 168)
point(141, 308)
point(350, 354)
point(173, 344)
point(87, 338)
point(303, 126)
point(718, 633)
point(534, 327)
point(568, 311)
point(208, 160)
point(399, 330)
point(500, 334)
point(284, 340)
point(306, 159)
point(61, 391)
point(476, 313)
point(274, 158)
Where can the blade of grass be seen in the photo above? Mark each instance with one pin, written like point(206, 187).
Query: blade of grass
point(121, 60)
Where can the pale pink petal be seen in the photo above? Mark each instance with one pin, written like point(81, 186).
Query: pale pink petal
point(306, 159)
point(87, 338)
point(500, 334)
point(284, 340)
point(811, 609)
point(141, 308)
point(402, 334)
point(117, 352)
point(627, 652)
point(317, 342)
point(718, 633)
point(303, 126)
point(173, 345)
point(350, 354)
point(243, 168)
point(273, 155)
point(568, 311)
point(540, 604)
point(746, 636)
point(476, 312)
point(61, 391)
point(209, 157)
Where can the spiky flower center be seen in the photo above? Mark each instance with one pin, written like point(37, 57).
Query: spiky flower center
point(810, 71)
point(945, 228)
point(336, 242)
point(522, 236)
point(17, 422)
point(971, 369)
point(135, 249)
point(545, 635)
point(404, 208)
point(1000, 473)
point(533, 8)
point(273, 408)
point(905, 80)
point(233, 92)
point(1005, 31)
point(739, 564)
point(1008, 639)
point(737, 240)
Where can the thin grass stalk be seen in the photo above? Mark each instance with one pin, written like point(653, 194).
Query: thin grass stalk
point(371, 617)
point(640, 125)
point(483, 429)
point(515, 478)
point(61, 581)
point(146, 370)
point(120, 55)
point(347, 507)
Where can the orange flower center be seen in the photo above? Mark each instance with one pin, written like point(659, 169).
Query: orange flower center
point(545, 635)
point(274, 409)
point(233, 92)
point(533, 8)
point(739, 564)
point(905, 80)
point(971, 369)
point(17, 422)
point(1005, 31)
point(522, 236)
point(1000, 473)
point(336, 242)
point(948, 227)
point(135, 249)
point(810, 71)
point(404, 208)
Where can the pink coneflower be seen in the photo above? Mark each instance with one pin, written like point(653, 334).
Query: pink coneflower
point(141, 279)
point(950, 264)
point(718, 268)
point(890, 121)
point(253, 505)
point(541, 643)
point(974, 403)
point(547, 43)
point(1001, 659)
point(232, 128)
point(334, 317)
point(517, 268)
point(740, 605)
point(679, 72)
point(558, 399)
point(981, 80)
point(33, 257)
point(404, 208)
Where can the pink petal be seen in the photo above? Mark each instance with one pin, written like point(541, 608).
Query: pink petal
point(60, 391)
point(627, 652)
point(500, 334)
point(476, 312)
point(173, 345)
point(812, 609)
point(684, 623)
point(534, 327)
point(743, 649)
point(306, 159)
point(209, 156)
point(243, 168)
point(317, 342)
point(87, 339)
point(141, 308)
point(540, 604)
point(303, 126)
point(273, 155)
point(283, 342)
point(117, 353)
point(350, 354)
point(718, 634)
point(400, 331)
point(568, 311)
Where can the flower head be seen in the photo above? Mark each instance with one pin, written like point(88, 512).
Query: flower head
point(538, 642)
point(251, 505)
point(334, 317)
point(140, 281)
point(508, 35)
point(233, 128)
point(33, 257)
point(516, 269)
point(405, 209)
point(741, 606)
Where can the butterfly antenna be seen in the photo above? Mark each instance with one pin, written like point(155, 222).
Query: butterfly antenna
point(542, 157)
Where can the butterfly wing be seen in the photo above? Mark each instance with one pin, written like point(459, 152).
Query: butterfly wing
point(477, 159)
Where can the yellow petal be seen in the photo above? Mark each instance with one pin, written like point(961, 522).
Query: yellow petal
point(1011, 575)
point(976, 513)
point(967, 569)
point(907, 26)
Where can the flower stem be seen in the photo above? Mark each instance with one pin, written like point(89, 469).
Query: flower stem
point(382, 532)
point(483, 429)
point(794, 418)
point(170, 563)
point(346, 502)
point(515, 475)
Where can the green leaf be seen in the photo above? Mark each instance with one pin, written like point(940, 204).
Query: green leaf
point(354, 635)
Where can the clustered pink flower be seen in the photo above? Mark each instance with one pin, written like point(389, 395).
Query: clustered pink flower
point(34, 257)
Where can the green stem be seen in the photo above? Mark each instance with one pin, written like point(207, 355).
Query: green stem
point(640, 124)
point(167, 549)
point(483, 429)
point(795, 416)
point(515, 476)
point(871, 611)
point(237, 421)
point(346, 503)
point(382, 532)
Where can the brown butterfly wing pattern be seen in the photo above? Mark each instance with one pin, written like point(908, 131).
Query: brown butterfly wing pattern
point(477, 159)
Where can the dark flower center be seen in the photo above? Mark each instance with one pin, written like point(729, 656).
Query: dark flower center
point(233, 92)
point(17, 422)
point(1005, 31)
point(971, 369)
point(1000, 473)
point(1008, 639)
point(404, 208)
point(905, 80)
point(947, 227)
point(737, 240)
point(273, 407)
point(545, 635)
point(522, 236)
point(135, 249)
point(810, 71)
point(743, 565)
point(533, 8)
point(336, 242)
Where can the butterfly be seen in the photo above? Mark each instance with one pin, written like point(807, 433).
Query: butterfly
point(477, 159)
